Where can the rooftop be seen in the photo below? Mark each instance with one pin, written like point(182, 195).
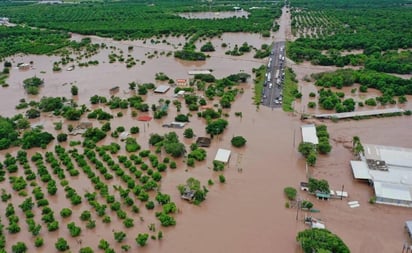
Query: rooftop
point(162, 89)
point(344, 115)
point(390, 169)
point(309, 134)
point(222, 155)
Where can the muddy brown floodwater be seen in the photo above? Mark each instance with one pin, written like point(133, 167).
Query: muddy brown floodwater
point(247, 213)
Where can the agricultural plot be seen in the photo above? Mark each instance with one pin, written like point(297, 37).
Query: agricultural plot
point(313, 24)
point(326, 30)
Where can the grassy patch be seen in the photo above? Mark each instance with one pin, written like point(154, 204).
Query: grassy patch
point(290, 89)
point(259, 80)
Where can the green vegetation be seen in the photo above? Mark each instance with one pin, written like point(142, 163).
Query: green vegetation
point(316, 185)
point(290, 90)
point(321, 240)
point(389, 85)
point(310, 150)
point(238, 141)
point(355, 25)
point(290, 193)
point(139, 20)
point(193, 184)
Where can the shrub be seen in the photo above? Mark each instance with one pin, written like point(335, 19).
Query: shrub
point(290, 193)
point(238, 141)
point(65, 212)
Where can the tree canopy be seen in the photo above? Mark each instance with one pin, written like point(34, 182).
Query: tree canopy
point(321, 240)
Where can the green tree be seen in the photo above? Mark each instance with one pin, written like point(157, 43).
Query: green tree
point(62, 137)
point(305, 148)
point(141, 239)
point(86, 250)
point(19, 247)
point(74, 90)
point(312, 158)
point(65, 212)
point(61, 244)
point(290, 193)
point(318, 185)
point(238, 141)
point(119, 236)
point(216, 127)
point(38, 242)
point(318, 240)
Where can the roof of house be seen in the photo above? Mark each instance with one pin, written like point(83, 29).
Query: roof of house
point(144, 118)
point(162, 89)
point(222, 155)
point(309, 134)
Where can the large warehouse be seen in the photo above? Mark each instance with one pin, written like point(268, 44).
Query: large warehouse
point(389, 169)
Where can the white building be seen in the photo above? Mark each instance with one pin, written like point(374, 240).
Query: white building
point(390, 171)
point(309, 134)
point(222, 155)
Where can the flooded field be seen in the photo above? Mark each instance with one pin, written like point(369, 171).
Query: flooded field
point(247, 213)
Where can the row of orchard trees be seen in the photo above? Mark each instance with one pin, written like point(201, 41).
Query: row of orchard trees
point(354, 28)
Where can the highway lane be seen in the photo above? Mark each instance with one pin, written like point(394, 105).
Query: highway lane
point(272, 90)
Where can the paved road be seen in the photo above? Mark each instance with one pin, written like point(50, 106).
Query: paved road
point(272, 90)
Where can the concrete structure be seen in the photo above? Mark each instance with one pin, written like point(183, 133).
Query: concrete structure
point(309, 134)
point(195, 72)
point(344, 115)
point(162, 89)
point(222, 155)
point(389, 169)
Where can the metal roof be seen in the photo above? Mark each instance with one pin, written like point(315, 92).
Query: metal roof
point(222, 155)
point(395, 181)
point(343, 115)
point(195, 72)
point(309, 134)
point(162, 89)
point(360, 170)
point(392, 191)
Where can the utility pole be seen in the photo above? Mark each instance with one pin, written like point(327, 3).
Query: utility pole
point(341, 194)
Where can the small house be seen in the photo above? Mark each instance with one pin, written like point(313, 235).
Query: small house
point(203, 142)
point(222, 155)
point(181, 82)
point(24, 66)
point(162, 89)
point(188, 194)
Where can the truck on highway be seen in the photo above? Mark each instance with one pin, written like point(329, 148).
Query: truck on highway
point(269, 77)
point(277, 73)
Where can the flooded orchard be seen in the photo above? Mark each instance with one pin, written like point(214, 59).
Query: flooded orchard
point(245, 214)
